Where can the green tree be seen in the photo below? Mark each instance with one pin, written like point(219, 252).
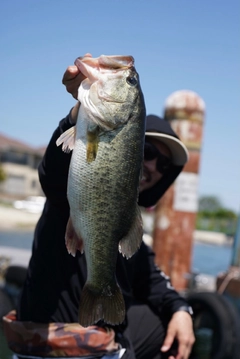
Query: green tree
point(212, 216)
point(209, 204)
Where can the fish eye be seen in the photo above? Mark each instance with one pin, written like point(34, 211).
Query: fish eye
point(131, 80)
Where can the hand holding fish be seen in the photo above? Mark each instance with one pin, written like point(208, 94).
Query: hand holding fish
point(72, 79)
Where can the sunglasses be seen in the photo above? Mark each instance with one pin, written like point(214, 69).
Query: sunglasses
point(151, 152)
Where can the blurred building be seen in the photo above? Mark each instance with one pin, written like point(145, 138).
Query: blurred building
point(19, 163)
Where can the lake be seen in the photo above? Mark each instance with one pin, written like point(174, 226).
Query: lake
point(206, 258)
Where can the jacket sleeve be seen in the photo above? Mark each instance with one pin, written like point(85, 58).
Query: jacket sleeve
point(53, 169)
point(152, 286)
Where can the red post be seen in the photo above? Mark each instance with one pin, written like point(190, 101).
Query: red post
point(176, 211)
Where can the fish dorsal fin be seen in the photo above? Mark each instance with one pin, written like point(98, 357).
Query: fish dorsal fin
point(129, 244)
point(67, 139)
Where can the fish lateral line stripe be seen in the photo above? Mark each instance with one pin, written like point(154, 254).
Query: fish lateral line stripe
point(92, 144)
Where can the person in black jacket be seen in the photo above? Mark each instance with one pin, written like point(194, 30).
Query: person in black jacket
point(157, 316)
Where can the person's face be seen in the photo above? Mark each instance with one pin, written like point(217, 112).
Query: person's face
point(150, 173)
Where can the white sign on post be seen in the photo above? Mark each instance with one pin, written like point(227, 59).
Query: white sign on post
point(186, 192)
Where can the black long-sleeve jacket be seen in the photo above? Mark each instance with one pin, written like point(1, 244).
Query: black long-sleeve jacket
point(55, 279)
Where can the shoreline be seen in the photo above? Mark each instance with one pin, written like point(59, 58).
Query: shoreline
point(17, 219)
point(12, 219)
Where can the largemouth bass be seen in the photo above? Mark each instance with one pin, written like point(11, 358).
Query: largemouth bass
point(104, 178)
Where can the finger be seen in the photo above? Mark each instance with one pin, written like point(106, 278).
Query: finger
point(70, 74)
point(183, 352)
point(72, 85)
point(167, 342)
point(72, 71)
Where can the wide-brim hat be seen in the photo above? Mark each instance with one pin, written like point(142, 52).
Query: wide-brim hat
point(161, 130)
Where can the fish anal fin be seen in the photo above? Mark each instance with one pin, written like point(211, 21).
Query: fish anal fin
point(129, 244)
point(95, 306)
point(67, 139)
point(92, 143)
point(72, 240)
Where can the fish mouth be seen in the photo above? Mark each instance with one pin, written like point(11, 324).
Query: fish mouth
point(116, 62)
point(91, 67)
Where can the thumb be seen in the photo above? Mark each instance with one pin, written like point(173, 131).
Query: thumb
point(167, 342)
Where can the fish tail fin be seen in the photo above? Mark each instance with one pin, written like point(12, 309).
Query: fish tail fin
point(95, 306)
point(129, 244)
point(72, 240)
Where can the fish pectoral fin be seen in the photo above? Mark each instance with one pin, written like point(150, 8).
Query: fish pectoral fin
point(67, 139)
point(129, 244)
point(92, 143)
point(72, 240)
point(107, 305)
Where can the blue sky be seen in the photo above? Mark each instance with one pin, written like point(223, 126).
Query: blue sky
point(176, 44)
